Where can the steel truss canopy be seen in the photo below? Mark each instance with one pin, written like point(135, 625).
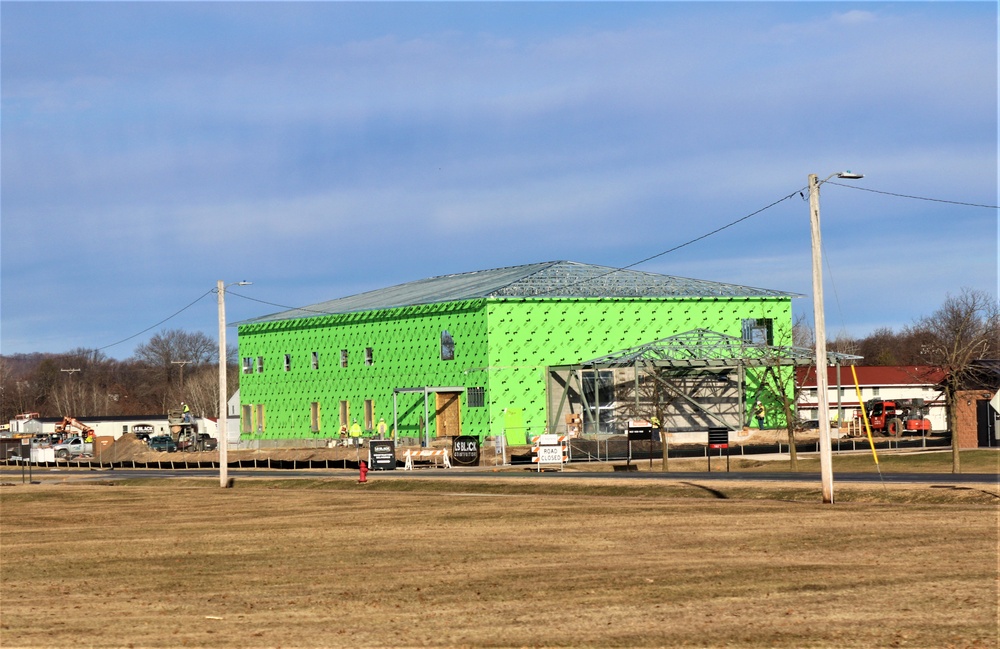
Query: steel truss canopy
point(696, 379)
point(711, 349)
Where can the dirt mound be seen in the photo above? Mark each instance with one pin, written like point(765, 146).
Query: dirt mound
point(127, 447)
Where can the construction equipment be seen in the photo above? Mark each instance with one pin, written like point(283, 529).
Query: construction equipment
point(183, 429)
point(893, 417)
point(64, 427)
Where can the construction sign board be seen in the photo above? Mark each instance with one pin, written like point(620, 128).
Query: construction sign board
point(549, 450)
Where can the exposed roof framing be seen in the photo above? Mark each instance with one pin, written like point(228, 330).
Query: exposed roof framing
point(552, 279)
point(707, 349)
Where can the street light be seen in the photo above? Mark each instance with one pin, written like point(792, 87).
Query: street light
point(825, 452)
point(223, 396)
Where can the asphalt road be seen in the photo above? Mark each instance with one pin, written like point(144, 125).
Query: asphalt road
point(15, 475)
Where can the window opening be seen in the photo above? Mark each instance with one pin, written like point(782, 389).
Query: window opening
point(247, 365)
point(369, 356)
point(246, 424)
point(343, 358)
point(288, 362)
point(447, 346)
point(758, 331)
point(260, 364)
point(315, 360)
point(476, 397)
point(314, 416)
point(260, 417)
point(345, 413)
point(369, 414)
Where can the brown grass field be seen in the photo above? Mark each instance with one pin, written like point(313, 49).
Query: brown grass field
point(484, 562)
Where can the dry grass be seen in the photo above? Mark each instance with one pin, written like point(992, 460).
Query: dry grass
point(479, 563)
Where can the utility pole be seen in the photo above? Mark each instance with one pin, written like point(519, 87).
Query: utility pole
point(822, 381)
point(182, 364)
point(223, 389)
point(825, 452)
point(223, 410)
point(68, 392)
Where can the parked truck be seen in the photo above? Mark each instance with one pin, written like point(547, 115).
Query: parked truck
point(73, 447)
point(895, 416)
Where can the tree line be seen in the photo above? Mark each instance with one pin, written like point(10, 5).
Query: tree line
point(174, 366)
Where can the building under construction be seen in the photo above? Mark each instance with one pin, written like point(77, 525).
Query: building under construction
point(513, 351)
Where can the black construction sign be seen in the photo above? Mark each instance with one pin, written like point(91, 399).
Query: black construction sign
point(639, 430)
point(718, 438)
point(465, 450)
point(381, 455)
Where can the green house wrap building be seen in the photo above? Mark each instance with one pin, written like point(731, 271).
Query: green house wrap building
point(467, 354)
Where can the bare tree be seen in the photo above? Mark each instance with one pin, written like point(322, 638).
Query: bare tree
point(163, 356)
point(966, 328)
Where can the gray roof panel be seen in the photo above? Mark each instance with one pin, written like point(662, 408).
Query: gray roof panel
point(553, 279)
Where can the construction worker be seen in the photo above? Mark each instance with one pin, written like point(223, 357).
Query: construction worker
point(356, 433)
point(382, 429)
point(187, 412)
point(760, 413)
point(655, 423)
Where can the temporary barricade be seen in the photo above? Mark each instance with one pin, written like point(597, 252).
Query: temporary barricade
point(549, 449)
point(427, 455)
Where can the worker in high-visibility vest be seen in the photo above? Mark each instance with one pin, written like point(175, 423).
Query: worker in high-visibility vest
point(759, 412)
point(355, 433)
point(382, 429)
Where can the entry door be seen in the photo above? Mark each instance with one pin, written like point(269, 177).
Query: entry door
point(447, 414)
point(987, 424)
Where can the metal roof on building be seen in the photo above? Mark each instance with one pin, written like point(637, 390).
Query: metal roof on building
point(896, 375)
point(552, 279)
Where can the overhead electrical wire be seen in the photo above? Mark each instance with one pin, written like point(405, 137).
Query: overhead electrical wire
point(170, 317)
point(590, 279)
point(686, 243)
point(917, 198)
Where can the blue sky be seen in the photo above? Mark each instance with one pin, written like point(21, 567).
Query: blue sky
point(325, 149)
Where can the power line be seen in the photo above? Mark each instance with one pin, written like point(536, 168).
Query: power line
point(280, 306)
point(918, 198)
point(686, 243)
point(170, 317)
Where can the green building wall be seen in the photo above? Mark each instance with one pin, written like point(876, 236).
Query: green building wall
point(502, 345)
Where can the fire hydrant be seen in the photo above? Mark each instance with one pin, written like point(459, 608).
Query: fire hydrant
point(363, 469)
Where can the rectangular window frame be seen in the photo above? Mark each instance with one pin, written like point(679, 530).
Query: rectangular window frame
point(246, 418)
point(758, 331)
point(314, 414)
point(369, 414)
point(475, 397)
point(288, 362)
point(259, 409)
point(369, 356)
point(315, 360)
point(344, 413)
point(343, 358)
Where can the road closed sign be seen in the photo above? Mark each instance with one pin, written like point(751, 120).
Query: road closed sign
point(549, 449)
point(550, 454)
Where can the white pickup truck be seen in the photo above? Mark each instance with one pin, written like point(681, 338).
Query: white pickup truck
point(73, 447)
